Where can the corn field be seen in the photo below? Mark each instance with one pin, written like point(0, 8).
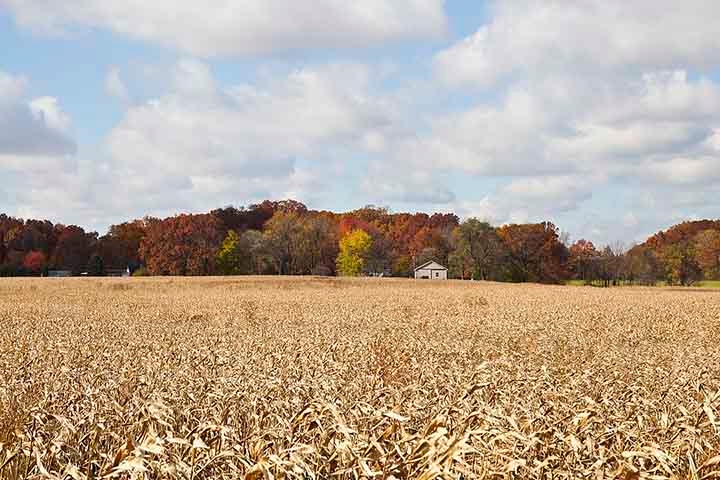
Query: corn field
point(268, 378)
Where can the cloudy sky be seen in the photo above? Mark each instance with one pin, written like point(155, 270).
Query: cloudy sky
point(602, 116)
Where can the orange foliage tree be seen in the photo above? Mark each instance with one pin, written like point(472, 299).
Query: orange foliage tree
point(535, 253)
point(181, 245)
point(35, 261)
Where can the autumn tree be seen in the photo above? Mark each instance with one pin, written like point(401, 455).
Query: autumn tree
point(610, 265)
point(19, 238)
point(254, 217)
point(35, 235)
point(281, 233)
point(245, 254)
point(643, 266)
point(681, 268)
point(74, 248)
point(96, 266)
point(707, 253)
point(35, 261)
point(535, 253)
point(254, 243)
point(231, 260)
point(181, 245)
point(316, 244)
point(120, 248)
point(302, 243)
point(431, 243)
point(582, 260)
point(354, 248)
point(479, 247)
point(378, 259)
point(682, 234)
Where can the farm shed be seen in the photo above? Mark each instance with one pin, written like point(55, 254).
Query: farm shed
point(431, 271)
point(59, 273)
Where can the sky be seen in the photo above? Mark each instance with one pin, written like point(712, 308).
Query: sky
point(602, 116)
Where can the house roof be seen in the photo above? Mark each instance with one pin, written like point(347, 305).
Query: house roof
point(431, 265)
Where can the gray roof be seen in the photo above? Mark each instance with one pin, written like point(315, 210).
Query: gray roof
point(425, 266)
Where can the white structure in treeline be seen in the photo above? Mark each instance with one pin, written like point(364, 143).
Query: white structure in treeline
point(431, 271)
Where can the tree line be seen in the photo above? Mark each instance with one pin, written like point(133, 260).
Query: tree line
point(286, 238)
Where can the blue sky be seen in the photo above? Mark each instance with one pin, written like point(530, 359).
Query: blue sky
point(599, 116)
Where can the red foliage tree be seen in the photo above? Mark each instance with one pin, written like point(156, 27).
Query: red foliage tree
point(707, 252)
point(181, 245)
point(35, 261)
point(120, 248)
point(536, 253)
point(582, 259)
point(74, 248)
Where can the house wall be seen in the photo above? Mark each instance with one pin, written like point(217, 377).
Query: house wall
point(431, 274)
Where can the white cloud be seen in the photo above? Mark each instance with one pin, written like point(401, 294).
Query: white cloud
point(245, 27)
point(47, 110)
point(564, 189)
point(574, 99)
point(383, 183)
point(600, 92)
point(11, 88)
point(483, 140)
point(529, 36)
point(483, 209)
point(610, 142)
point(225, 144)
point(30, 128)
point(596, 131)
point(593, 87)
point(685, 171)
point(37, 154)
point(530, 199)
point(115, 86)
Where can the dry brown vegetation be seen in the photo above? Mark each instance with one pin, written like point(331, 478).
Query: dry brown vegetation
point(310, 378)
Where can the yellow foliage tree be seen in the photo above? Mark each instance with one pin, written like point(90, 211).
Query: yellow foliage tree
point(354, 247)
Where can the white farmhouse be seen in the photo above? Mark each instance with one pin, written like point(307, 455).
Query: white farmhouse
point(431, 271)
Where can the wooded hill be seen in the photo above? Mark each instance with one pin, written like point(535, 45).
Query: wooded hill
point(285, 237)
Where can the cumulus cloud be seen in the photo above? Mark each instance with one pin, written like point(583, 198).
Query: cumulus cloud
point(200, 144)
point(11, 88)
point(564, 191)
point(266, 138)
point(484, 209)
point(528, 36)
point(529, 199)
point(30, 127)
point(37, 153)
point(606, 131)
point(383, 183)
point(685, 171)
point(574, 100)
point(247, 27)
point(580, 96)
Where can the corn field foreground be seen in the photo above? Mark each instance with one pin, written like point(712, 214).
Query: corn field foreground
point(327, 378)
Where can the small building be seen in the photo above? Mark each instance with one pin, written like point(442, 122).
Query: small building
point(431, 271)
point(117, 272)
point(59, 273)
